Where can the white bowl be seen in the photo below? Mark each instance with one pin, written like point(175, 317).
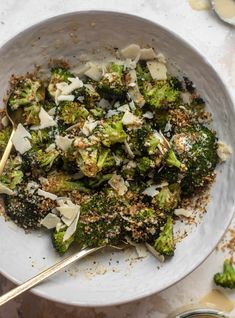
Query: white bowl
point(77, 36)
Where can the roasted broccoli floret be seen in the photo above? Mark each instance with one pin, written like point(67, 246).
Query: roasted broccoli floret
point(27, 210)
point(112, 132)
point(26, 91)
point(142, 224)
point(161, 118)
point(129, 170)
point(172, 161)
point(89, 95)
point(100, 222)
point(31, 114)
point(59, 183)
point(199, 154)
point(143, 74)
point(98, 180)
point(58, 242)
point(159, 94)
point(72, 112)
point(164, 244)
point(58, 75)
point(92, 158)
point(97, 112)
point(105, 159)
point(111, 85)
point(226, 279)
point(176, 83)
point(5, 134)
point(168, 198)
point(152, 142)
point(87, 161)
point(168, 174)
point(41, 138)
point(12, 174)
point(144, 165)
point(146, 141)
point(137, 138)
point(46, 159)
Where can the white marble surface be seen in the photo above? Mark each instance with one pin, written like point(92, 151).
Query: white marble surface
point(212, 37)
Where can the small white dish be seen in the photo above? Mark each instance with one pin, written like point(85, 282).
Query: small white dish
point(78, 36)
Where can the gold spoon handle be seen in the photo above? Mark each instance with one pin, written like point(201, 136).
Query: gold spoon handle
point(7, 152)
point(45, 274)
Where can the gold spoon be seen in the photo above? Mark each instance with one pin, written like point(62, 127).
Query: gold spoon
point(15, 117)
point(45, 274)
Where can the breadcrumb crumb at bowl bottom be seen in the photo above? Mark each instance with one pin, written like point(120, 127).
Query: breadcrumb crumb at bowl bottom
point(114, 276)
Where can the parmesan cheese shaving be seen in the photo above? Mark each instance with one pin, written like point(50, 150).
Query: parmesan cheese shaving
point(81, 70)
point(59, 226)
point(131, 51)
point(111, 113)
point(136, 96)
point(52, 111)
point(104, 103)
point(223, 151)
point(63, 143)
point(69, 212)
point(141, 250)
point(75, 83)
point(69, 98)
point(72, 228)
point(128, 149)
point(45, 120)
point(50, 147)
point(186, 97)
point(94, 72)
point(161, 58)
point(124, 108)
point(147, 54)
point(131, 120)
point(129, 64)
point(32, 186)
point(148, 115)
point(152, 250)
point(47, 195)
point(118, 184)
point(5, 190)
point(183, 212)
point(151, 190)
point(20, 139)
point(157, 70)
point(5, 121)
point(89, 126)
point(50, 221)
